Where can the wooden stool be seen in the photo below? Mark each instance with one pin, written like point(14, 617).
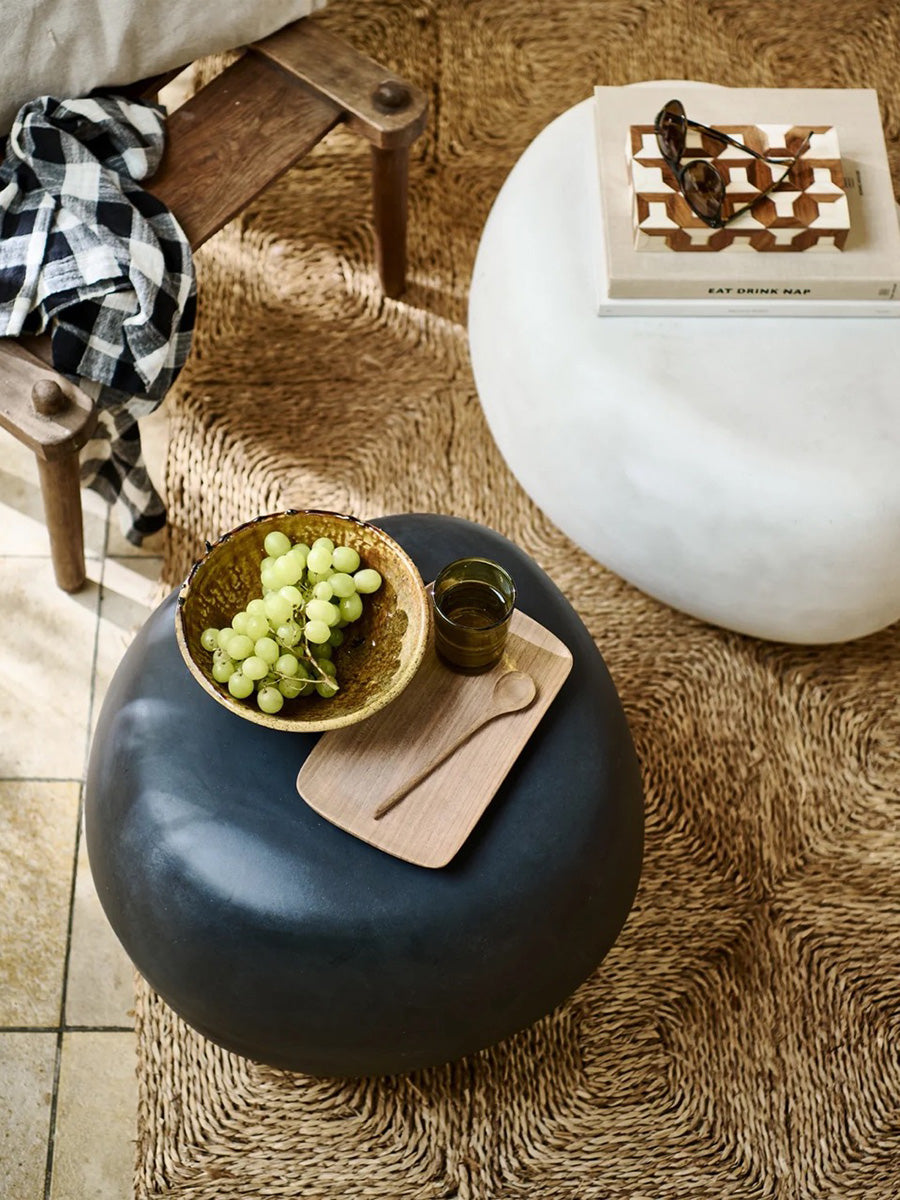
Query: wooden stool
point(224, 146)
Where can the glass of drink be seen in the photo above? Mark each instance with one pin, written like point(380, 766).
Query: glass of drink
point(473, 604)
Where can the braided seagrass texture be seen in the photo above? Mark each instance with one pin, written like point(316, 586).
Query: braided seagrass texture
point(741, 1039)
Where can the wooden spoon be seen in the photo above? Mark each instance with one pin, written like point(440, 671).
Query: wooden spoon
point(513, 691)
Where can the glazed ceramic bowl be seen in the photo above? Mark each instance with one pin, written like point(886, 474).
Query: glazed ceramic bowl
point(381, 651)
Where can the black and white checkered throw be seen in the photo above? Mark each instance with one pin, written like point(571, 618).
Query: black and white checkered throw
point(88, 254)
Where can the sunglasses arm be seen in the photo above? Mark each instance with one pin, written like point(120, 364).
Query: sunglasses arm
point(723, 137)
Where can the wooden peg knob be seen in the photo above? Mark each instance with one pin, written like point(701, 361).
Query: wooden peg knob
point(391, 96)
point(48, 398)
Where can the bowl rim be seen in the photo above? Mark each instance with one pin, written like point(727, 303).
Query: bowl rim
point(419, 619)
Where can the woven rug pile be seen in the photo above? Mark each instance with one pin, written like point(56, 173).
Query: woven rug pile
point(741, 1038)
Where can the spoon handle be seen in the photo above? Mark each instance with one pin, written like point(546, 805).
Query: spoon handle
point(407, 786)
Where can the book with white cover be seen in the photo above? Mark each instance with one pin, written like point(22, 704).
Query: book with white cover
point(644, 306)
point(868, 268)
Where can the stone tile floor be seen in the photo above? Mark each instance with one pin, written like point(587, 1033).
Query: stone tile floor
point(67, 1050)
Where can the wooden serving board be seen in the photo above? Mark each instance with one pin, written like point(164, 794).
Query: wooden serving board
point(351, 770)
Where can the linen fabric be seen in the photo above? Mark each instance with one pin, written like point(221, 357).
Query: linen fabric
point(103, 265)
point(70, 47)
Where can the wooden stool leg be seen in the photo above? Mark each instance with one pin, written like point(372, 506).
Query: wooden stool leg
point(61, 489)
point(390, 191)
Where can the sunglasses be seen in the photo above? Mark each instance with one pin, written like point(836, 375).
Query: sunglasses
point(699, 180)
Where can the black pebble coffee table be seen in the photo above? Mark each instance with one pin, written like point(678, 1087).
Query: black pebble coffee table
point(290, 942)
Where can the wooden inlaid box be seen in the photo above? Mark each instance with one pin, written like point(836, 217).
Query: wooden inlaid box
point(807, 211)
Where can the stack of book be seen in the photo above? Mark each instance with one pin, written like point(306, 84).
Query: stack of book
point(853, 272)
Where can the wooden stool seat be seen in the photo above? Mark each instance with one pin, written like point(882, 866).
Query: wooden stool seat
point(224, 146)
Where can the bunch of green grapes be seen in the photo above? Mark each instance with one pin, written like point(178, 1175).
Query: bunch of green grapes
point(280, 646)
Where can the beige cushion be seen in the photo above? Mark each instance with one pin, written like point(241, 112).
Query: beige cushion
point(64, 48)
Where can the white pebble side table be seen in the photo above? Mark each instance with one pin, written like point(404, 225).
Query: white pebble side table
point(743, 470)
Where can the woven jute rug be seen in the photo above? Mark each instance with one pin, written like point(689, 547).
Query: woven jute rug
point(740, 1040)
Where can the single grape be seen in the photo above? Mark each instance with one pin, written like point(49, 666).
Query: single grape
point(286, 665)
point(326, 688)
point(345, 558)
point(324, 543)
point(277, 543)
point(367, 581)
point(286, 571)
point(323, 651)
point(317, 632)
point(257, 625)
point(269, 699)
point(342, 585)
point(257, 607)
point(269, 580)
point(255, 668)
point(324, 590)
point(301, 550)
point(288, 634)
point(225, 636)
point(337, 637)
point(293, 687)
point(278, 609)
point(328, 667)
point(318, 560)
point(293, 564)
point(239, 622)
point(267, 649)
point(209, 639)
point(351, 608)
point(240, 686)
point(322, 610)
point(240, 646)
point(292, 594)
point(223, 667)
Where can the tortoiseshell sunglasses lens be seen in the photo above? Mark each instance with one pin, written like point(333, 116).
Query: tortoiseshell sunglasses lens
point(702, 187)
point(671, 131)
